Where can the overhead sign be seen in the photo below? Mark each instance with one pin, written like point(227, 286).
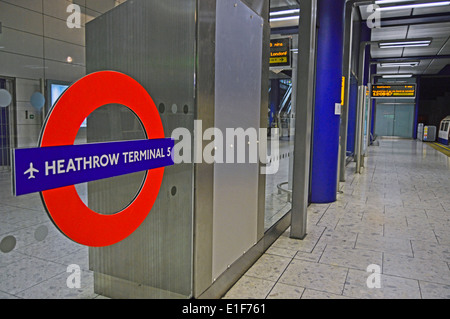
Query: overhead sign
point(394, 91)
point(57, 164)
point(280, 52)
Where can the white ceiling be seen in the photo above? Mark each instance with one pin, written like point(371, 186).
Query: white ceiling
point(438, 31)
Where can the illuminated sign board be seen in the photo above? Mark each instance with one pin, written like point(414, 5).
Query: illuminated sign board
point(280, 52)
point(394, 91)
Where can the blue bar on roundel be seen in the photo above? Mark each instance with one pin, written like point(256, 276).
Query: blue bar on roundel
point(40, 169)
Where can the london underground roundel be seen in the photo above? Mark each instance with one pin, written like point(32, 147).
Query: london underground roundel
point(58, 162)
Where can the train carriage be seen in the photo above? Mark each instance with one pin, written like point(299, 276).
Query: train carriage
point(444, 131)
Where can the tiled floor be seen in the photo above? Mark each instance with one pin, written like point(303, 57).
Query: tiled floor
point(35, 264)
point(395, 215)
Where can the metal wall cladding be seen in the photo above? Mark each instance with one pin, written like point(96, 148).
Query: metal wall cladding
point(239, 35)
point(154, 42)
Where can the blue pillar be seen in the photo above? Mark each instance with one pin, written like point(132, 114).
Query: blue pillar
point(330, 14)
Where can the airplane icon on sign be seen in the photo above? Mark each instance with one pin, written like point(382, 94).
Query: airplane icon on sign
point(31, 171)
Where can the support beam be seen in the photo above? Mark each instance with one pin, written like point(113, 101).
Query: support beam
point(346, 70)
point(303, 120)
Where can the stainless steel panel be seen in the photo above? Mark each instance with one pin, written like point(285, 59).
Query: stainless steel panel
point(204, 173)
point(239, 34)
point(304, 118)
point(264, 114)
point(239, 267)
point(154, 42)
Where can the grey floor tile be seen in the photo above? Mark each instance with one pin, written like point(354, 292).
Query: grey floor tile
point(416, 268)
point(4, 295)
point(430, 250)
point(56, 288)
point(52, 248)
point(316, 276)
point(306, 245)
point(410, 232)
point(316, 294)
point(283, 291)
point(384, 244)
point(273, 250)
point(79, 257)
point(391, 287)
point(331, 237)
point(269, 267)
point(350, 257)
point(442, 236)
point(358, 226)
point(312, 256)
point(434, 291)
point(10, 258)
point(26, 273)
point(250, 288)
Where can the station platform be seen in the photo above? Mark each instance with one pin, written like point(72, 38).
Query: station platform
point(395, 215)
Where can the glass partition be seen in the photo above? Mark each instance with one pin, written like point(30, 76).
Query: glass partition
point(282, 97)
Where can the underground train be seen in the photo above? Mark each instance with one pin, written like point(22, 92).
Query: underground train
point(444, 131)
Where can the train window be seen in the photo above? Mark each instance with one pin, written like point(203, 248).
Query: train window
point(446, 126)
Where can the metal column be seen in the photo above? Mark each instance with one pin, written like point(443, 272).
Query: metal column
point(346, 68)
point(359, 157)
point(303, 120)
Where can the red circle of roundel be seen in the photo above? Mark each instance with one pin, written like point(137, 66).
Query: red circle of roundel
point(66, 209)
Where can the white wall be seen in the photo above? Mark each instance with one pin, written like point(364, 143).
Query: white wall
point(35, 43)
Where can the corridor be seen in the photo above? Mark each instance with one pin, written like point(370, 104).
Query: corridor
point(395, 216)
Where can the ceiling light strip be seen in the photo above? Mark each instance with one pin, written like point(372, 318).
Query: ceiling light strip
point(414, 6)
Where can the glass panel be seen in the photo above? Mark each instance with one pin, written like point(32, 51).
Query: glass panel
point(404, 119)
point(82, 37)
point(117, 123)
point(384, 120)
point(281, 116)
point(394, 119)
point(5, 101)
point(367, 102)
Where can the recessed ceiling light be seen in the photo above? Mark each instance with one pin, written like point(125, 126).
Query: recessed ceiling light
point(284, 12)
point(404, 44)
point(284, 19)
point(391, 1)
point(396, 76)
point(399, 64)
point(412, 6)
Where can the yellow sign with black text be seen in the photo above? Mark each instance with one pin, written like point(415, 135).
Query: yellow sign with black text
point(394, 91)
point(280, 52)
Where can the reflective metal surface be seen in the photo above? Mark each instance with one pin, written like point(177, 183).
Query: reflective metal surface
point(237, 105)
point(153, 42)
